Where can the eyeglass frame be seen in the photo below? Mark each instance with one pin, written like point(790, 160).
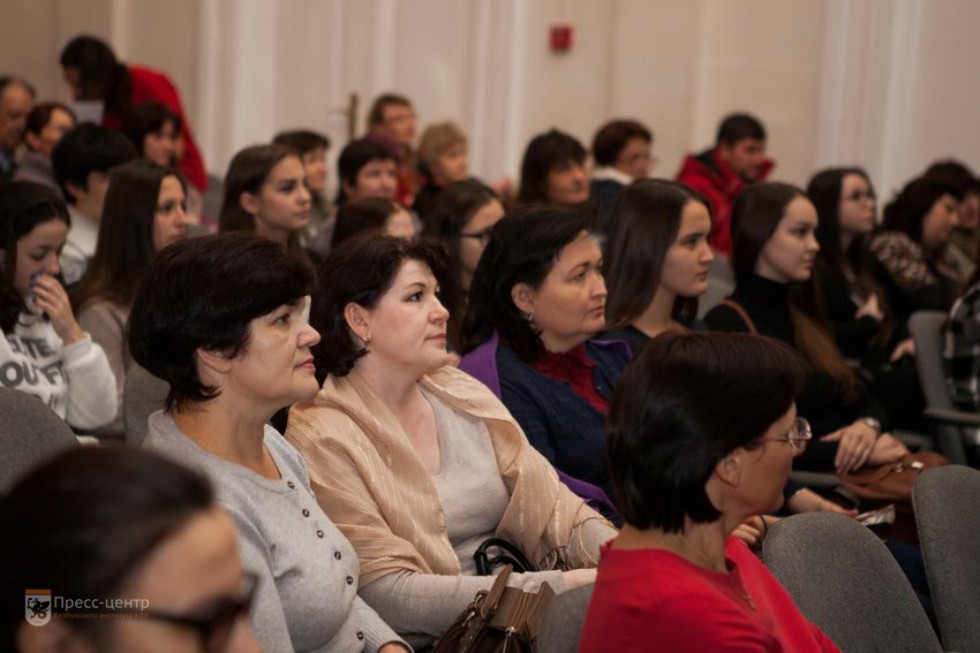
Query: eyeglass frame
point(804, 434)
point(238, 607)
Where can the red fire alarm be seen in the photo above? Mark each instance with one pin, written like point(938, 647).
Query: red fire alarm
point(561, 37)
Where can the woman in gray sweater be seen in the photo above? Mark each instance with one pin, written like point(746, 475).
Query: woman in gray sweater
point(221, 320)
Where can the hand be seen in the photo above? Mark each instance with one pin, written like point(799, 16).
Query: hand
point(50, 297)
point(870, 308)
point(855, 444)
point(887, 449)
point(904, 348)
point(753, 530)
point(578, 577)
point(393, 647)
point(807, 500)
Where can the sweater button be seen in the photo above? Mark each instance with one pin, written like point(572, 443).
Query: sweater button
point(336, 554)
point(360, 635)
point(292, 486)
point(319, 534)
point(350, 580)
point(306, 513)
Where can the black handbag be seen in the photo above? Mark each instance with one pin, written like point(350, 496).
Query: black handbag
point(506, 554)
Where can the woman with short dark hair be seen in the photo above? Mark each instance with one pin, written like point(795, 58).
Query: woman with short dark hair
point(687, 475)
point(537, 302)
point(553, 171)
point(417, 462)
point(111, 524)
point(220, 319)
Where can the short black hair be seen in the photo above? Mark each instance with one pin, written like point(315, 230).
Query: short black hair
point(366, 214)
point(355, 156)
point(684, 404)
point(956, 173)
point(907, 211)
point(302, 140)
point(85, 521)
point(40, 116)
point(739, 126)
point(149, 118)
point(523, 248)
point(612, 137)
point(202, 293)
point(86, 149)
point(361, 271)
point(544, 153)
point(376, 114)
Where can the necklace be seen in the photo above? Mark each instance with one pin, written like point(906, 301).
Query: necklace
point(738, 588)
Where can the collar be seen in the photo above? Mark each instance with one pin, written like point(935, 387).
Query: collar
point(609, 173)
point(571, 359)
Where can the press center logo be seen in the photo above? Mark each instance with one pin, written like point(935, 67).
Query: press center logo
point(37, 606)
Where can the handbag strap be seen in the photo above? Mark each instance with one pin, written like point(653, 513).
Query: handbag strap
point(509, 555)
point(742, 313)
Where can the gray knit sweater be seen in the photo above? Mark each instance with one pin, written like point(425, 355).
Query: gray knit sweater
point(307, 594)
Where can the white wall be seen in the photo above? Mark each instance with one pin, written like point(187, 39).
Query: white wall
point(876, 82)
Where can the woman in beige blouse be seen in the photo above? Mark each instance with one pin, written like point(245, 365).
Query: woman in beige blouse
point(416, 462)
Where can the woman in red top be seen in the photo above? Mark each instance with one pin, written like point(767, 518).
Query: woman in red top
point(686, 474)
point(93, 73)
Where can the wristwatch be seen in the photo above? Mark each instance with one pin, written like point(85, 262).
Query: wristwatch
point(873, 423)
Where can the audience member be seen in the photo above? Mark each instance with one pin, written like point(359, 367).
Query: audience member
point(44, 351)
point(775, 249)
point(312, 147)
point(961, 359)
point(366, 169)
point(392, 119)
point(442, 161)
point(104, 523)
point(144, 212)
point(966, 234)
point(46, 124)
point(82, 160)
point(154, 128)
point(720, 173)
point(621, 151)
point(686, 477)
point(93, 73)
point(537, 301)
point(234, 352)
point(851, 299)
point(265, 194)
point(461, 220)
point(553, 171)
point(16, 100)
point(911, 252)
point(415, 461)
point(655, 261)
point(372, 215)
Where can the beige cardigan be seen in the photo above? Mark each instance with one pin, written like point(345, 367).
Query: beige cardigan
point(372, 484)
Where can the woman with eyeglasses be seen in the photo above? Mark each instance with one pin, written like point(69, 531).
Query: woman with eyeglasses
point(775, 248)
point(685, 478)
point(853, 302)
point(221, 320)
point(121, 524)
point(461, 219)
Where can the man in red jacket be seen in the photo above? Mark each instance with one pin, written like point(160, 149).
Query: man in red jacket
point(720, 174)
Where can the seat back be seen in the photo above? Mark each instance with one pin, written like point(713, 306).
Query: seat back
point(30, 433)
point(846, 582)
point(926, 328)
point(143, 395)
point(561, 626)
point(947, 508)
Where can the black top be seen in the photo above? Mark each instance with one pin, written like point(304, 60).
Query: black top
point(821, 402)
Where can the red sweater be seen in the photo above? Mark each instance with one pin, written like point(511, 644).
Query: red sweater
point(707, 174)
point(154, 86)
point(654, 600)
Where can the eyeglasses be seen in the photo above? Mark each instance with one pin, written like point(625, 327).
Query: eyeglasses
point(798, 436)
point(483, 236)
point(216, 626)
point(861, 196)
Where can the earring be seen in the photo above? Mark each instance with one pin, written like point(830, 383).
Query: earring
point(528, 317)
point(366, 340)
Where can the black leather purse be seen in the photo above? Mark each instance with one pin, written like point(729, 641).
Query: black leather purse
point(495, 552)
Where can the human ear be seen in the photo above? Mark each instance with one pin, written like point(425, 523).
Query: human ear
point(523, 298)
point(357, 321)
point(214, 360)
point(729, 468)
point(249, 202)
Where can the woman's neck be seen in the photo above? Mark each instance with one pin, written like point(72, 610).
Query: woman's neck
point(278, 236)
point(396, 388)
point(221, 427)
point(700, 544)
point(658, 317)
